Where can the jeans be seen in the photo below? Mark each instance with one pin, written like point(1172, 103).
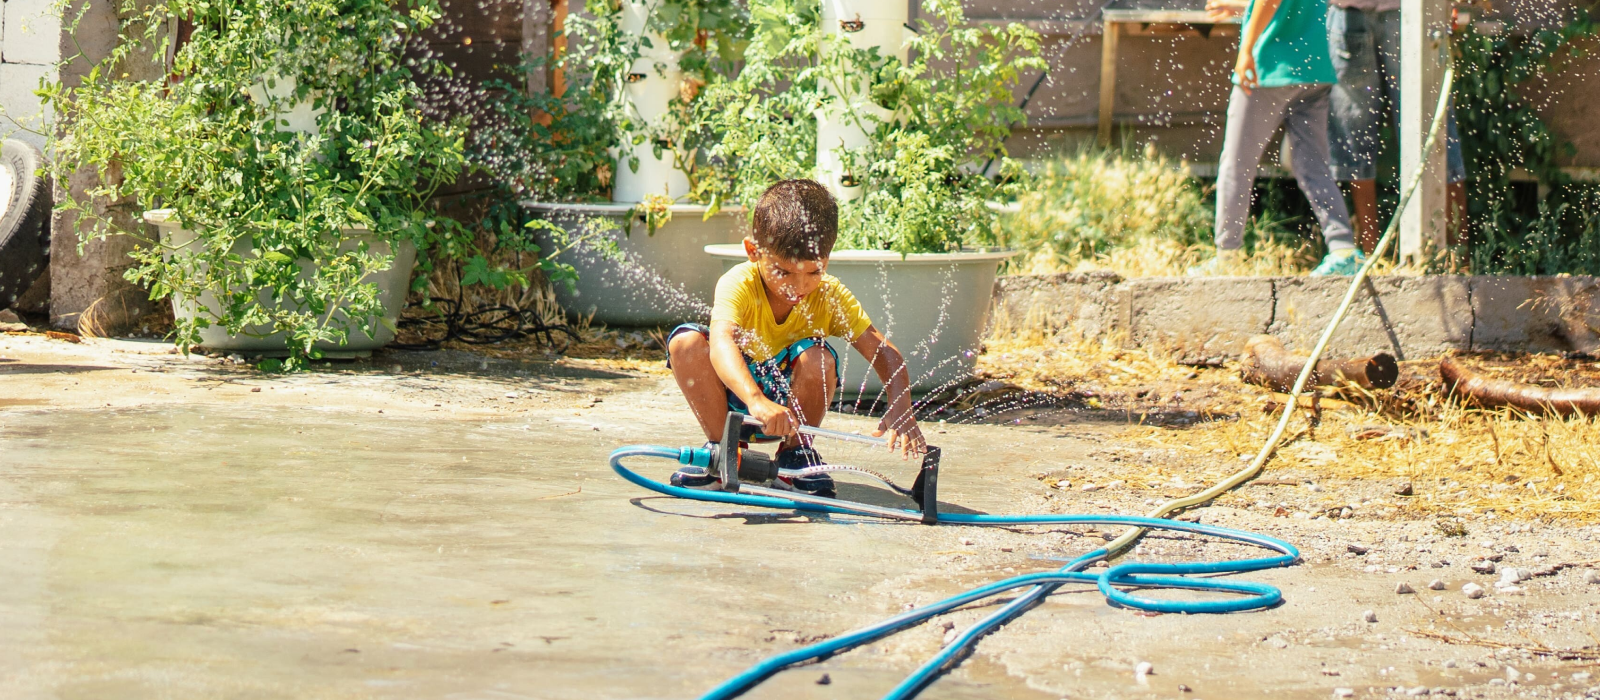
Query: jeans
point(1365, 48)
point(1303, 110)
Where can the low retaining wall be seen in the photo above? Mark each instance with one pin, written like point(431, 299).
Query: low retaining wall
point(1208, 319)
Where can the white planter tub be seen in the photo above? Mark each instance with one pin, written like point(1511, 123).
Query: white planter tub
point(932, 306)
point(393, 284)
point(663, 279)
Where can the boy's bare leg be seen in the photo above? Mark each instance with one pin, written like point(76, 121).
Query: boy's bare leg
point(1364, 197)
point(812, 388)
point(691, 366)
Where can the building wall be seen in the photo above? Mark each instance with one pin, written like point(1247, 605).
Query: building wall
point(30, 45)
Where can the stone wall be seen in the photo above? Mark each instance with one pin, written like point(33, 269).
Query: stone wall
point(1207, 320)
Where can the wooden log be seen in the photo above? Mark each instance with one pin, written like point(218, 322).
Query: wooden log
point(1268, 364)
point(1467, 384)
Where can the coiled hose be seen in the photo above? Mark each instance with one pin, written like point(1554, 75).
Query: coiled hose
point(1250, 596)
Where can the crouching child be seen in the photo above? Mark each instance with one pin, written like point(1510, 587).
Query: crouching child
point(764, 353)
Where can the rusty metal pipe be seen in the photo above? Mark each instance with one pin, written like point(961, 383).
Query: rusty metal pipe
point(1268, 364)
point(1474, 387)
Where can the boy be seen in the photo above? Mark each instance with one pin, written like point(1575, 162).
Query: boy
point(764, 354)
point(1283, 76)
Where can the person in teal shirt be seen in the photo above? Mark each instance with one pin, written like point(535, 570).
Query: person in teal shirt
point(1282, 77)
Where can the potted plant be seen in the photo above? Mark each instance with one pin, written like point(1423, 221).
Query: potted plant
point(615, 155)
point(286, 163)
point(908, 130)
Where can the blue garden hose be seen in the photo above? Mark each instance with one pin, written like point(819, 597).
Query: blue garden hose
point(1250, 596)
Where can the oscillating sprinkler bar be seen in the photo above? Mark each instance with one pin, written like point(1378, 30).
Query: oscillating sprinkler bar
point(738, 467)
point(831, 434)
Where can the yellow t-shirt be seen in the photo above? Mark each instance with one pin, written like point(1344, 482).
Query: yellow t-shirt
point(831, 310)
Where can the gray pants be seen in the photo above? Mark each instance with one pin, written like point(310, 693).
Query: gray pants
point(1303, 110)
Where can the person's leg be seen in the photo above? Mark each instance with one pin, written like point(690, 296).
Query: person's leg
point(1306, 129)
point(811, 386)
point(689, 358)
point(1251, 120)
point(1355, 113)
point(1364, 217)
point(1456, 191)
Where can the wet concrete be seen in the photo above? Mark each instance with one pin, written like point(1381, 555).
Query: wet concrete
point(418, 533)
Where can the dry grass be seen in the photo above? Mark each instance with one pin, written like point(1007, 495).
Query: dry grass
point(1139, 214)
point(1459, 460)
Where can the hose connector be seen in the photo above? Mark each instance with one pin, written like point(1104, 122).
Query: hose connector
point(696, 456)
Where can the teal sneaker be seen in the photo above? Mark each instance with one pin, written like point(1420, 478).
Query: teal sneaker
point(1340, 265)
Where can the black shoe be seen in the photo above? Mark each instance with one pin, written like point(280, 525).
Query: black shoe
point(800, 458)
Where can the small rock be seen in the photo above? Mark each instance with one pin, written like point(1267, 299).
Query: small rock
point(1513, 675)
point(1115, 484)
point(9, 316)
point(1005, 549)
point(1580, 676)
point(1421, 689)
point(1511, 576)
point(1369, 616)
point(1356, 548)
point(1403, 588)
point(1509, 590)
point(1483, 567)
point(1090, 487)
point(1278, 643)
point(824, 680)
point(966, 541)
point(1591, 576)
point(1403, 490)
point(1450, 663)
point(1436, 585)
point(1473, 591)
point(1344, 693)
point(1316, 488)
point(1184, 689)
point(950, 636)
point(1145, 668)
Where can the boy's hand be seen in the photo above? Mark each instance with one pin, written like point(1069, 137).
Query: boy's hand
point(903, 433)
point(776, 420)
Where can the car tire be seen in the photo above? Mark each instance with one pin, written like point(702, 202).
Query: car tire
point(24, 220)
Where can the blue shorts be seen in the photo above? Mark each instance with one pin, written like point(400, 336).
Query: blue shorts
point(774, 376)
point(1365, 48)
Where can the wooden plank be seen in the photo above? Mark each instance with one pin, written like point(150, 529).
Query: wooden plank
point(536, 40)
point(1108, 79)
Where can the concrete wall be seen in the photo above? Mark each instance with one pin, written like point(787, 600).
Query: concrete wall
point(30, 45)
point(1207, 320)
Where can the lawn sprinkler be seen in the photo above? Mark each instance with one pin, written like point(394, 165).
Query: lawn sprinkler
point(741, 468)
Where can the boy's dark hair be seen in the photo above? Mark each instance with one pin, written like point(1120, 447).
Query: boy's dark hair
point(796, 220)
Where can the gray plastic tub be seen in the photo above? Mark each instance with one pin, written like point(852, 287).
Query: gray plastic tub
point(661, 280)
point(393, 284)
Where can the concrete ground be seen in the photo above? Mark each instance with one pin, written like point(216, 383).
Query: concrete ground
point(443, 525)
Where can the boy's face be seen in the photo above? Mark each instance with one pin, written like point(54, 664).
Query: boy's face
point(790, 280)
